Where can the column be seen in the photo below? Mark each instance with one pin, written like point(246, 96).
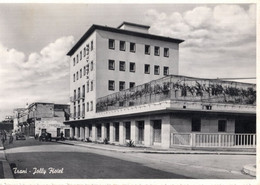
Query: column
point(82, 134)
point(72, 131)
point(94, 132)
point(166, 132)
point(86, 132)
point(148, 132)
point(134, 132)
point(103, 131)
point(122, 133)
point(111, 132)
point(76, 132)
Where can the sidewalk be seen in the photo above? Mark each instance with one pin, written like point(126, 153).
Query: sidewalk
point(6, 170)
point(137, 149)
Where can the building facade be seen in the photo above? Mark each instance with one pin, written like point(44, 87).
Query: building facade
point(121, 89)
point(41, 117)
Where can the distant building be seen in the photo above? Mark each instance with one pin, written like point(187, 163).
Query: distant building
point(124, 85)
point(43, 117)
point(17, 112)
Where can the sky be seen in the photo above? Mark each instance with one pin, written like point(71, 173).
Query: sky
point(220, 42)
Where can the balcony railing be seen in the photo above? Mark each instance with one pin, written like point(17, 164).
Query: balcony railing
point(82, 95)
point(82, 114)
point(180, 88)
point(213, 140)
point(72, 98)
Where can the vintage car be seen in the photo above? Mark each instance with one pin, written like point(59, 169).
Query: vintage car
point(45, 136)
point(20, 136)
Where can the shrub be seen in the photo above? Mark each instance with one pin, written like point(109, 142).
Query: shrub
point(130, 143)
point(105, 141)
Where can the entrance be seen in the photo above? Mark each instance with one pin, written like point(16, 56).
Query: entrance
point(108, 130)
point(157, 130)
point(140, 125)
point(67, 133)
point(127, 130)
point(58, 132)
point(117, 131)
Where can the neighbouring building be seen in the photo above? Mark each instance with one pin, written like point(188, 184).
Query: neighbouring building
point(6, 124)
point(124, 85)
point(41, 117)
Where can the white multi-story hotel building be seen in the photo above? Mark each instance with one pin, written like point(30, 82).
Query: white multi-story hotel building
point(124, 85)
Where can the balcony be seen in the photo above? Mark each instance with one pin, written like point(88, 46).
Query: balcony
point(72, 98)
point(180, 88)
point(83, 114)
point(82, 96)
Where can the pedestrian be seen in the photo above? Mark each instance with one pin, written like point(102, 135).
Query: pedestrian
point(3, 139)
point(11, 139)
point(61, 134)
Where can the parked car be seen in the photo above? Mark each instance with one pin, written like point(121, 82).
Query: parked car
point(20, 136)
point(45, 137)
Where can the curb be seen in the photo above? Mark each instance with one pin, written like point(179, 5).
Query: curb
point(8, 173)
point(250, 169)
point(161, 152)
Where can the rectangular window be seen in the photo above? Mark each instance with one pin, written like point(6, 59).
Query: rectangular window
point(122, 66)
point(91, 45)
point(87, 49)
point(91, 106)
point(87, 69)
point(74, 77)
point(132, 47)
point(87, 106)
point(75, 94)
point(74, 61)
point(147, 69)
point(80, 55)
point(83, 110)
point(166, 52)
point(79, 92)
point(156, 51)
point(111, 85)
point(87, 86)
point(121, 85)
point(156, 70)
point(80, 73)
point(222, 125)
point(132, 67)
point(77, 75)
point(165, 70)
point(195, 124)
point(111, 44)
point(91, 66)
point(147, 49)
point(84, 52)
point(83, 91)
point(91, 85)
point(111, 64)
point(122, 45)
point(77, 58)
point(131, 84)
point(84, 70)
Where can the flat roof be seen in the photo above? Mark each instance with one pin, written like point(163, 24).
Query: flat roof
point(133, 24)
point(121, 31)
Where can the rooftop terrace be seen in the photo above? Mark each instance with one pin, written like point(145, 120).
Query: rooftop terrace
point(181, 88)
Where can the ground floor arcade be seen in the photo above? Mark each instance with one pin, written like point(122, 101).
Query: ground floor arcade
point(170, 129)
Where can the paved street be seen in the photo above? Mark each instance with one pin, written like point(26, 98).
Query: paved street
point(81, 162)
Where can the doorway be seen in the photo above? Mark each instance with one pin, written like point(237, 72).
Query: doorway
point(140, 125)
